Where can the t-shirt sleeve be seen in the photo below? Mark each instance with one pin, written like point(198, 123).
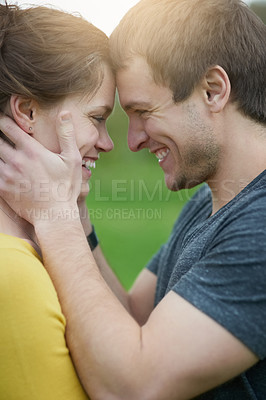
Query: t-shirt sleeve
point(228, 283)
point(154, 263)
point(35, 361)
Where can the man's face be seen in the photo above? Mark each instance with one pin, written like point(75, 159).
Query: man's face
point(179, 134)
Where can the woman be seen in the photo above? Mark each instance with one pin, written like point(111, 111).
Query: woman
point(51, 63)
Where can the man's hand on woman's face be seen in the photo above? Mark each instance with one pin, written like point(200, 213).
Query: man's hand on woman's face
point(35, 182)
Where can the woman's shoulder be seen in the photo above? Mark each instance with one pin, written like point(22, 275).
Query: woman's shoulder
point(22, 274)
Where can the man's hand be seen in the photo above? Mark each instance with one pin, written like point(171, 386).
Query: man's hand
point(35, 182)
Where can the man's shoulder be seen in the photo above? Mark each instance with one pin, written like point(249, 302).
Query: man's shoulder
point(249, 204)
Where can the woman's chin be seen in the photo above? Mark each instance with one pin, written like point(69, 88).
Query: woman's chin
point(85, 188)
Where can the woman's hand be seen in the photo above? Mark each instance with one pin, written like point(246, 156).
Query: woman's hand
point(35, 182)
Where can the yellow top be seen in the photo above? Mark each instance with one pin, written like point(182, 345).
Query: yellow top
point(34, 360)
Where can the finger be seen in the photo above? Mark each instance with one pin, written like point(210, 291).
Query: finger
point(7, 152)
point(5, 177)
point(66, 134)
point(13, 131)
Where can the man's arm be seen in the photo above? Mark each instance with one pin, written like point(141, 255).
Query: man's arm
point(139, 301)
point(178, 353)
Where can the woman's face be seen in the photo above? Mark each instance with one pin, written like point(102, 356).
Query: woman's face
point(89, 119)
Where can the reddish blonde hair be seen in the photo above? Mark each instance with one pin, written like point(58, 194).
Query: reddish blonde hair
point(47, 54)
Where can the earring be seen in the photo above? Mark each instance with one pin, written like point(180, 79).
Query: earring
point(30, 128)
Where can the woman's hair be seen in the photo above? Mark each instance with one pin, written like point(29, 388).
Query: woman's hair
point(182, 39)
point(47, 54)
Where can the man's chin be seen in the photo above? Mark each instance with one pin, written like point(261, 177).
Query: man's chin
point(176, 184)
point(172, 184)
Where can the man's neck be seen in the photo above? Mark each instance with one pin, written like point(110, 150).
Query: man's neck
point(243, 158)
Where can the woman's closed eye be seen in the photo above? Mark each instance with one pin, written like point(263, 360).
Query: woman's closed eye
point(98, 118)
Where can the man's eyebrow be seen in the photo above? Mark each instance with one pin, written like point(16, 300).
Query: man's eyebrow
point(137, 105)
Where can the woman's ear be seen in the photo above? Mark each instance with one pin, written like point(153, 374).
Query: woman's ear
point(23, 111)
point(217, 88)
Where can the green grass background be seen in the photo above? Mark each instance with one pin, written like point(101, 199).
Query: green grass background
point(129, 204)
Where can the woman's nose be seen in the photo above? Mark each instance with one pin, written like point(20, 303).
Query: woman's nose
point(105, 143)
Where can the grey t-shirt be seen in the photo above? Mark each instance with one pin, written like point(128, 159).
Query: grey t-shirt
point(218, 264)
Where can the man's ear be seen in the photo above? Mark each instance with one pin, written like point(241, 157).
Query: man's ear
point(217, 88)
point(23, 111)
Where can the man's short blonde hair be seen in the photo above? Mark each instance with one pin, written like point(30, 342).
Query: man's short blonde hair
point(182, 39)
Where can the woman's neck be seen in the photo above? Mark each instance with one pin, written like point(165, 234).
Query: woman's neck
point(12, 224)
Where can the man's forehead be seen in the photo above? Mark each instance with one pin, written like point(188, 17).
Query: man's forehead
point(134, 95)
point(136, 67)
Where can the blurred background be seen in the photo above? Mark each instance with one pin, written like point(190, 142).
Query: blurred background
point(132, 210)
point(259, 7)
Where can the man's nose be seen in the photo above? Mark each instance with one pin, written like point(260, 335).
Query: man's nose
point(137, 137)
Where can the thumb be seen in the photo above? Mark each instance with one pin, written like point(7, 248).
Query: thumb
point(66, 134)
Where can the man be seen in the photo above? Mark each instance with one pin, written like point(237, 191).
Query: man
point(191, 77)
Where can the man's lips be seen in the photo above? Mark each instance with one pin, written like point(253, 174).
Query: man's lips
point(161, 153)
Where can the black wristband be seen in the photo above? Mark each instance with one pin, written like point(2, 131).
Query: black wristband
point(92, 239)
